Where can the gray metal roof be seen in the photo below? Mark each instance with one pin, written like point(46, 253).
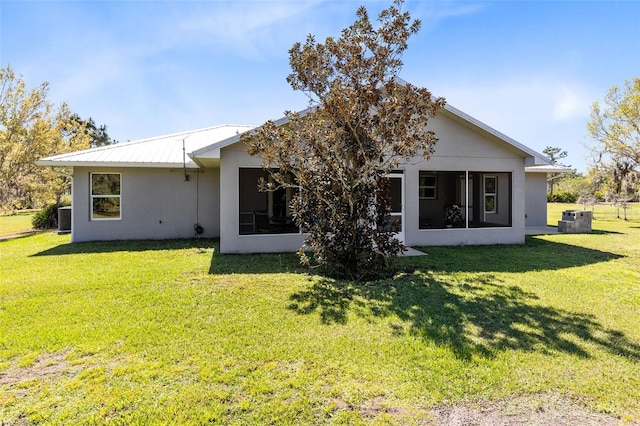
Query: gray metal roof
point(163, 151)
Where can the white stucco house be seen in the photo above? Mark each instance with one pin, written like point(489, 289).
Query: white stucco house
point(202, 183)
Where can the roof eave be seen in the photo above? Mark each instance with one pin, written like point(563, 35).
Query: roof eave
point(94, 164)
point(548, 168)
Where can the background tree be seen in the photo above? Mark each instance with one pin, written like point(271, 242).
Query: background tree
point(615, 129)
point(588, 200)
point(98, 134)
point(555, 154)
point(362, 123)
point(620, 201)
point(598, 181)
point(32, 128)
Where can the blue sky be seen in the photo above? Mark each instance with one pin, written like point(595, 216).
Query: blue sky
point(530, 69)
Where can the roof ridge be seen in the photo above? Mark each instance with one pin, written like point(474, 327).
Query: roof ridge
point(185, 132)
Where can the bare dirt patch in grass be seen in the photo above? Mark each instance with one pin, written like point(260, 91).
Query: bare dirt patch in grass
point(20, 234)
point(540, 409)
point(47, 365)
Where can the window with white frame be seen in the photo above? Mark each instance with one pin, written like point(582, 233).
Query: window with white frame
point(490, 191)
point(105, 196)
point(428, 186)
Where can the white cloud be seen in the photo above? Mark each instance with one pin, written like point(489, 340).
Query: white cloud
point(249, 28)
point(526, 99)
point(239, 21)
point(570, 102)
point(451, 9)
point(90, 73)
point(432, 13)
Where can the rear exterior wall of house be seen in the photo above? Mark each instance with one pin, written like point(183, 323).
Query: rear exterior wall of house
point(536, 202)
point(144, 203)
point(496, 217)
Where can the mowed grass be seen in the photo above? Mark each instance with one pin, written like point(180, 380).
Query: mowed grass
point(171, 332)
point(18, 222)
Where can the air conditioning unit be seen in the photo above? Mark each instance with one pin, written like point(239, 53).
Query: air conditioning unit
point(64, 220)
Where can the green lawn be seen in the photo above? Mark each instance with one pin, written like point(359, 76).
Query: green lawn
point(171, 332)
point(18, 222)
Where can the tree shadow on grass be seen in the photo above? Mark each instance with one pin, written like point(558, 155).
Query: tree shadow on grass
point(473, 313)
point(265, 263)
point(603, 232)
point(536, 255)
point(473, 316)
point(130, 246)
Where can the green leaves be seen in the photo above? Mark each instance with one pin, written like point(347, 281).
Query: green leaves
point(615, 128)
point(32, 128)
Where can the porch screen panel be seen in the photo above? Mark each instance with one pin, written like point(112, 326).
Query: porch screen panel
point(254, 204)
point(263, 212)
point(442, 199)
point(444, 202)
point(491, 194)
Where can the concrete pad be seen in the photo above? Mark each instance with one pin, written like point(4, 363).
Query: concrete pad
point(540, 230)
point(410, 251)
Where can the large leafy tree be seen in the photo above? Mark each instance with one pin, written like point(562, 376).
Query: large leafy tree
point(32, 128)
point(363, 122)
point(615, 129)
